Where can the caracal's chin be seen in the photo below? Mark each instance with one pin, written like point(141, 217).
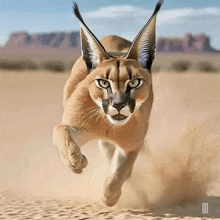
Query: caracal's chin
point(118, 119)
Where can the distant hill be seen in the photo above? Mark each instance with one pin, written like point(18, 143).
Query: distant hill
point(69, 43)
point(43, 43)
point(187, 44)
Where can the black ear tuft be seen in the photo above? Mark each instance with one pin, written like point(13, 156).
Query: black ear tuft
point(77, 13)
point(157, 7)
point(93, 51)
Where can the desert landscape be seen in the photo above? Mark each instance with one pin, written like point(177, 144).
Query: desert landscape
point(176, 172)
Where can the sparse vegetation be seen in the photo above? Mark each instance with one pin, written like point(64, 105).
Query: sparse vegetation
point(165, 62)
point(155, 68)
point(53, 63)
point(206, 63)
point(206, 67)
point(17, 65)
point(180, 66)
point(54, 66)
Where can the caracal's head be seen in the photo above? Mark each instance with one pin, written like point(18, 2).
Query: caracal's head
point(119, 83)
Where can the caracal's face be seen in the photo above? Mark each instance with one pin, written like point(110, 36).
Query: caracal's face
point(119, 87)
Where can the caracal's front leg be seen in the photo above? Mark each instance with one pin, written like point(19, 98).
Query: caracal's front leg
point(121, 168)
point(107, 150)
point(69, 140)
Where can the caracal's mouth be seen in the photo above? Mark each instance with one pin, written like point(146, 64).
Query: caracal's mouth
point(119, 117)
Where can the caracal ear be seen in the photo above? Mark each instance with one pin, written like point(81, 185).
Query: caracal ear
point(92, 50)
point(143, 46)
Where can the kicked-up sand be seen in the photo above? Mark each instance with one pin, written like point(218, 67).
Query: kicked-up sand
point(176, 175)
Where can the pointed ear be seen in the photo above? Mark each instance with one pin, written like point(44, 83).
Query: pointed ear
point(143, 46)
point(92, 50)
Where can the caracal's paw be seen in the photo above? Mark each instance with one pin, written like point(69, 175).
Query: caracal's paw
point(75, 164)
point(111, 190)
point(111, 199)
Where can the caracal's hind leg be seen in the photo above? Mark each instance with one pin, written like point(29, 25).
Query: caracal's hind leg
point(121, 168)
point(69, 140)
point(107, 150)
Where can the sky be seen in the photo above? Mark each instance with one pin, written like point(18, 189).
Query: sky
point(119, 17)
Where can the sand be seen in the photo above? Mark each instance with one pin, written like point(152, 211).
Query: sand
point(175, 174)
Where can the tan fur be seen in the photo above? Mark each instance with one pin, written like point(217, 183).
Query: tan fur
point(115, 43)
point(129, 136)
point(84, 117)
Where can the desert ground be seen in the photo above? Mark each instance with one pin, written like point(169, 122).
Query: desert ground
point(175, 173)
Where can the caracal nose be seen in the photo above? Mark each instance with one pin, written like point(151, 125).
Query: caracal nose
point(119, 100)
point(119, 105)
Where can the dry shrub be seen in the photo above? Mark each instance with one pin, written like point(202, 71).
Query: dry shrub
point(155, 68)
point(180, 66)
point(54, 66)
point(29, 65)
point(17, 65)
point(206, 67)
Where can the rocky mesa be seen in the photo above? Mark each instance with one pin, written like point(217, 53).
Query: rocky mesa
point(199, 43)
point(43, 43)
point(69, 43)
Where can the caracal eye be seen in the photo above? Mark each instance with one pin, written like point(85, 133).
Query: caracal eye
point(103, 83)
point(134, 83)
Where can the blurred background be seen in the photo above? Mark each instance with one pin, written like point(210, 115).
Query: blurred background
point(45, 34)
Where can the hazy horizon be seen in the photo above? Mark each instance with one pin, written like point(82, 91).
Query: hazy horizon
point(124, 18)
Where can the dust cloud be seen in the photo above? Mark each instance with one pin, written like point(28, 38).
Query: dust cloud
point(182, 173)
